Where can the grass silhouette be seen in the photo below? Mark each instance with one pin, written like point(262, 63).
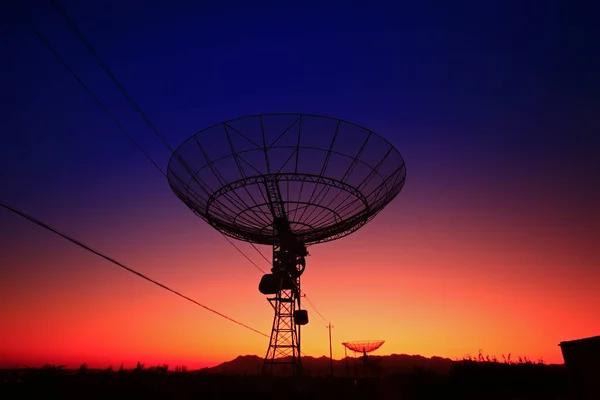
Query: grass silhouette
point(478, 377)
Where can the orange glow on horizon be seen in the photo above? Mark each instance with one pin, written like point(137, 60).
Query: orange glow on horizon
point(412, 287)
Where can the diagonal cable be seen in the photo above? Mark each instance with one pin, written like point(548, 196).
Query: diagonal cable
point(74, 27)
point(84, 246)
point(105, 109)
point(108, 71)
point(87, 89)
point(244, 254)
point(261, 253)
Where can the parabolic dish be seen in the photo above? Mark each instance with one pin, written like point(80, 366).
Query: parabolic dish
point(331, 176)
point(364, 346)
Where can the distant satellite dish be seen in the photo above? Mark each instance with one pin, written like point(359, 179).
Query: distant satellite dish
point(363, 347)
point(287, 181)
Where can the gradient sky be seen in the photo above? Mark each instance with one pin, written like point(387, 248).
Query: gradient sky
point(492, 244)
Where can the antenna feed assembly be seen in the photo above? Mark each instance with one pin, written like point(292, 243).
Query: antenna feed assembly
point(289, 263)
point(292, 253)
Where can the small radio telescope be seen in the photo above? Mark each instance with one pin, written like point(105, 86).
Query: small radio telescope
point(363, 347)
point(287, 181)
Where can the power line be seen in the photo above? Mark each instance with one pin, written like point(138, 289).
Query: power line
point(104, 108)
point(314, 308)
point(84, 246)
point(124, 131)
point(244, 254)
point(87, 89)
point(107, 70)
point(93, 52)
point(90, 49)
point(261, 253)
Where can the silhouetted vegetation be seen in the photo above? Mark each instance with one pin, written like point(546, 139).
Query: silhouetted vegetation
point(479, 377)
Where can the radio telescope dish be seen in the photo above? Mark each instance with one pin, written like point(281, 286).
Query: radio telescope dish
point(362, 347)
point(287, 181)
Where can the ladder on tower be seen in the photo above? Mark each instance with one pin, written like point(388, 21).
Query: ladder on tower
point(274, 197)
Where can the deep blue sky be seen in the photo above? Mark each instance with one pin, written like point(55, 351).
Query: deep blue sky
point(497, 76)
point(495, 106)
point(499, 96)
point(508, 89)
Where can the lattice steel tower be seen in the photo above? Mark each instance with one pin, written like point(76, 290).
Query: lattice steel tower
point(289, 263)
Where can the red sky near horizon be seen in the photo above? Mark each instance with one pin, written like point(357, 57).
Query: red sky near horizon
point(492, 244)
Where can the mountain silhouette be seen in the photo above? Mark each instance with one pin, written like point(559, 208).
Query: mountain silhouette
point(387, 365)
